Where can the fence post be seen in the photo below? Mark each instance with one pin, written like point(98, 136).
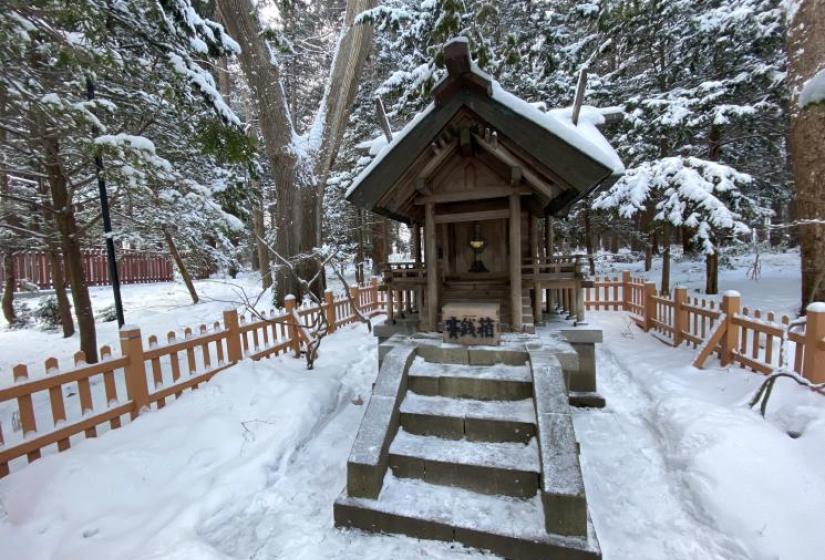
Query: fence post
point(137, 389)
point(650, 304)
point(233, 336)
point(627, 290)
point(354, 294)
point(329, 298)
point(680, 314)
point(813, 366)
point(291, 326)
point(374, 293)
point(731, 303)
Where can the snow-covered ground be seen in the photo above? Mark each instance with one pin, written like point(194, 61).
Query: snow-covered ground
point(155, 308)
point(248, 466)
point(776, 288)
point(245, 467)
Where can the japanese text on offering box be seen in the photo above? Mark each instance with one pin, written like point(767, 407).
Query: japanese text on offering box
point(469, 323)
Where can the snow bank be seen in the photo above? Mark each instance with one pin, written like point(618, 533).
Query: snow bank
point(143, 491)
point(748, 476)
point(248, 466)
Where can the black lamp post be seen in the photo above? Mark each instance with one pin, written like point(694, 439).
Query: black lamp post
point(107, 220)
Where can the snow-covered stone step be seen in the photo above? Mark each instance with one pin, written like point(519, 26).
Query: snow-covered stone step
point(466, 418)
point(490, 382)
point(510, 527)
point(511, 469)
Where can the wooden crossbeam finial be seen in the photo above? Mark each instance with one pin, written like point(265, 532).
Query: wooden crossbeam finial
point(579, 99)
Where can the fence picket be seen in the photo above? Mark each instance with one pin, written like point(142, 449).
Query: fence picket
point(109, 386)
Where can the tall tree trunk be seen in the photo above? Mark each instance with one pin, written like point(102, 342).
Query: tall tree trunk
point(8, 253)
point(645, 227)
point(68, 232)
point(261, 249)
point(712, 262)
point(184, 273)
point(64, 308)
point(70, 244)
point(549, 237)
point(8, 287)
point(687, 234)
point(665, 287)
point(712, 273)
point(806, 53)
point(361, 253)
point(299, 197)
point(380, 234)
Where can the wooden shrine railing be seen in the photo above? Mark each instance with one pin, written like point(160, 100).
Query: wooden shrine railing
point(751, 338)
point(54, 410)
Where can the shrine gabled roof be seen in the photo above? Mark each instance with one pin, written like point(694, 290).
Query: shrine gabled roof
point(578, 158)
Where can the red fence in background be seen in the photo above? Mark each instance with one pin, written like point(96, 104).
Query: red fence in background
point(135, 267)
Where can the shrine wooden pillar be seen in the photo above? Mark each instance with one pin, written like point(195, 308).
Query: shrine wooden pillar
point(534, 259)
point(431, 256)
point(416, 239)
point(549, 242)
point(516, 323)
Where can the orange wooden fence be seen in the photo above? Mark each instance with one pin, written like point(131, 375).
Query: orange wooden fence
point(750, 337)
point(149, 373)
point(105, 395)
point(134, 267)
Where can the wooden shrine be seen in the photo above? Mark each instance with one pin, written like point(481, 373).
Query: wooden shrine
point(472, 175)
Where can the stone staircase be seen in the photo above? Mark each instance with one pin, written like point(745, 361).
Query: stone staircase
point(463, 459)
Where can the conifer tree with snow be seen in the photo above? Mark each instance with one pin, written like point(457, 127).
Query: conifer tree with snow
point(126, 82)
point(685, 192)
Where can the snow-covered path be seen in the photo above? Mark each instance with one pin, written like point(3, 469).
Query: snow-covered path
point(639, 507)
point(677, 466)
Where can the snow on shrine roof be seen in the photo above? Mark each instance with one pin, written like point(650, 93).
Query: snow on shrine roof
point(579, 154)
point(388, 147)
point(585, 136)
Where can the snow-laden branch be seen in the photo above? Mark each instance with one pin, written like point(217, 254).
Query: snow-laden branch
point(702, 195)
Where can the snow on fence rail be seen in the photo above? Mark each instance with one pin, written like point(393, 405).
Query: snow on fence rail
point(751, 338)
point(104, 395)
point(134, 267)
